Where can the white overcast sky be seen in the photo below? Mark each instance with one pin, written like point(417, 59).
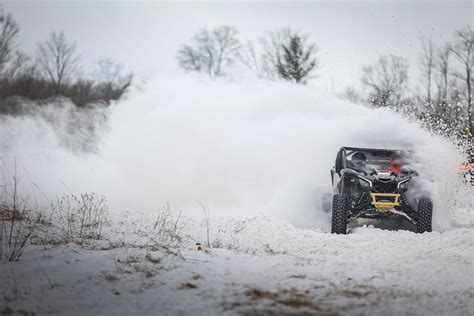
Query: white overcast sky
point(145, 35)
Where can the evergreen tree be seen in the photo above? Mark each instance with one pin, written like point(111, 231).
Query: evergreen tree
point(297, 62)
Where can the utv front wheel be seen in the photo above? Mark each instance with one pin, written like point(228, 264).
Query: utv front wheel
point(424, 215)
point(339, 214)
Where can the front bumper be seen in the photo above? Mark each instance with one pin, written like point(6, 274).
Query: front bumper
point(384, 202)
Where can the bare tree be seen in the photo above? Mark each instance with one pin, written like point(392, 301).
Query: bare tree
point(386, 80)
point(206, 51)
point(248, 56)
point(210, 51)
point(58, 60)
point(463, 51)
point(112, 81)
point(19, 63)
point(427, 63)
point(297, 61)
point(442, 69)
point(227, 46)
point(9, 29)
point(189, 59)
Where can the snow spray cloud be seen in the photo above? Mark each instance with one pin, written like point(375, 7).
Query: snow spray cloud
point(240, 148)
point(26, 122)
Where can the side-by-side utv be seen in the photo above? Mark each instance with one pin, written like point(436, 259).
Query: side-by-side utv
point(377, 183)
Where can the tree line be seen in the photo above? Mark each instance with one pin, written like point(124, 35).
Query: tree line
point(441, 101)
point(55, 70)
point(284, 53)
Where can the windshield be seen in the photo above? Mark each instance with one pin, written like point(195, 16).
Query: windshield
point(376, 160)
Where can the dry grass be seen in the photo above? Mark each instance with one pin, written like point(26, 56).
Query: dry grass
point(168, 226)
point(17, 220)
point(283, 302)
point(287, 297)
point(150, 258)
point(8, 214)
point(187, 286)
point(77, 218)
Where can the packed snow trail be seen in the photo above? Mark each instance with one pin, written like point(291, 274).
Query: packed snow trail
point(262, 266)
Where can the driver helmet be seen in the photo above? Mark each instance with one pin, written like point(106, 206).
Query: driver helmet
point(359, 160)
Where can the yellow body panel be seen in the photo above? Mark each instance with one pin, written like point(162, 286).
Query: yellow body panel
point(384, 206)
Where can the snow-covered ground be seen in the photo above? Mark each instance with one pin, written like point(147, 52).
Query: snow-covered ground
point(258, 265)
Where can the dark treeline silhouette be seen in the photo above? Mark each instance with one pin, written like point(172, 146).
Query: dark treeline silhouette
point(81, 92)
point(55, 71)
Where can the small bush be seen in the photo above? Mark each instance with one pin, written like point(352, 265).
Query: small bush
point(17, 220)
point(15, 232)
point(78, 218)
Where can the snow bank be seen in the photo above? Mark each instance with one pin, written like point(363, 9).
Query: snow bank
point(239, 148)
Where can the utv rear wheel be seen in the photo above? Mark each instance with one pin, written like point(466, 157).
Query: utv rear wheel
point(339, 214)
point(424, 215)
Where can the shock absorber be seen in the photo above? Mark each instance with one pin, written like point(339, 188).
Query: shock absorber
point(405, 203)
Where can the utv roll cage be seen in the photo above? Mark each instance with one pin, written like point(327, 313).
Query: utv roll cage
point(341, 162)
